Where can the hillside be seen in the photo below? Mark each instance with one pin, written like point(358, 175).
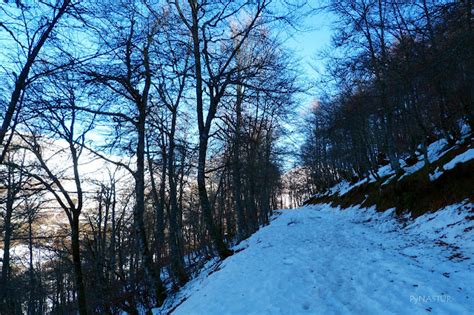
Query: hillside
point(421, 188)
point(321, 260)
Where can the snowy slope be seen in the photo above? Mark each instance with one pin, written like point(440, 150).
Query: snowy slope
point(322, 260)
point(435, 151)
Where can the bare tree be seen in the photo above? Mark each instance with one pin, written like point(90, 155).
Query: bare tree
point(66, 127)
point(30, 39)
point(214, 73)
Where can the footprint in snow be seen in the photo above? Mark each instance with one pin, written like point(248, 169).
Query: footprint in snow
point(288, 261)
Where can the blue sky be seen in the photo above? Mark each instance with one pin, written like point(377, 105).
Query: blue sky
point(308, 44)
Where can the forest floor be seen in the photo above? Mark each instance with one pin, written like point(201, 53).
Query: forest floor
point(323, 260)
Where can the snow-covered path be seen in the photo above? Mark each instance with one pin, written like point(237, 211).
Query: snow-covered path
point(319, 260)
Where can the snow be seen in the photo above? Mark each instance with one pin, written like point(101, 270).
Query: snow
point(385, 171)
point(461, 158)
point(344, 187)
point(465, 130)
point(448, 225)
point(323, 260)
point(435, 151)
point(436, 174)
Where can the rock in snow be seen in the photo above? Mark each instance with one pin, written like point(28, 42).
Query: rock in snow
point(323, 260)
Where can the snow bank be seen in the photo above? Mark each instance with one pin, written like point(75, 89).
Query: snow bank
point(461, 158)
point(453, 225)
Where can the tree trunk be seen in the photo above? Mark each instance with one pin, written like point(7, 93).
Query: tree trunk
point(5, 301)
point(241, 226)
point(32, 298)
point(215, 234)
point(153, 279)
point(175, 234)
point(76, 258)
point(206, 208)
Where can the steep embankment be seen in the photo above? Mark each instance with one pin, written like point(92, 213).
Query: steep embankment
point(324, 260)
point(448, 179)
